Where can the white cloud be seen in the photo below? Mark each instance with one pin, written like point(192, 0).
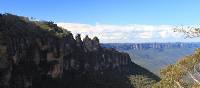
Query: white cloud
point(145, 35)
point(125, 33)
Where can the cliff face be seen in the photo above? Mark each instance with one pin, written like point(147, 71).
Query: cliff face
point(41, 55)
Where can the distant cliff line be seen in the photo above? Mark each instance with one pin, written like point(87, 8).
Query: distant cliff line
point(141, 46)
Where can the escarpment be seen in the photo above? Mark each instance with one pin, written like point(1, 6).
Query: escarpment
point(39, 54)
point(145, 46)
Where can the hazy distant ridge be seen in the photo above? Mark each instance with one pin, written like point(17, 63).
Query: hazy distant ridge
point(155, 56)
point(141, 46)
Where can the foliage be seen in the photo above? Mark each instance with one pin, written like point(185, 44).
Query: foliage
point(141, 81)
point(189, 31)
point(183, 74)
point(32, 27)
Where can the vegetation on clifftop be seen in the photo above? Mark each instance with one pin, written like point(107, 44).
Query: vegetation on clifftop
point(183, 74)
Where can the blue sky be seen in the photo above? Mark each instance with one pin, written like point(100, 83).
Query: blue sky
point(106, 13)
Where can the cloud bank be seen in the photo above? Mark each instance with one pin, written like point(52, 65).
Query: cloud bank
point(126, 33)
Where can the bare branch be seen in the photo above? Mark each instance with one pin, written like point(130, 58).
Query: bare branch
point(179, 85)
point(191, 75)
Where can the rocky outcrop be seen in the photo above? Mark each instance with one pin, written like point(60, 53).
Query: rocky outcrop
point(38, 55)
